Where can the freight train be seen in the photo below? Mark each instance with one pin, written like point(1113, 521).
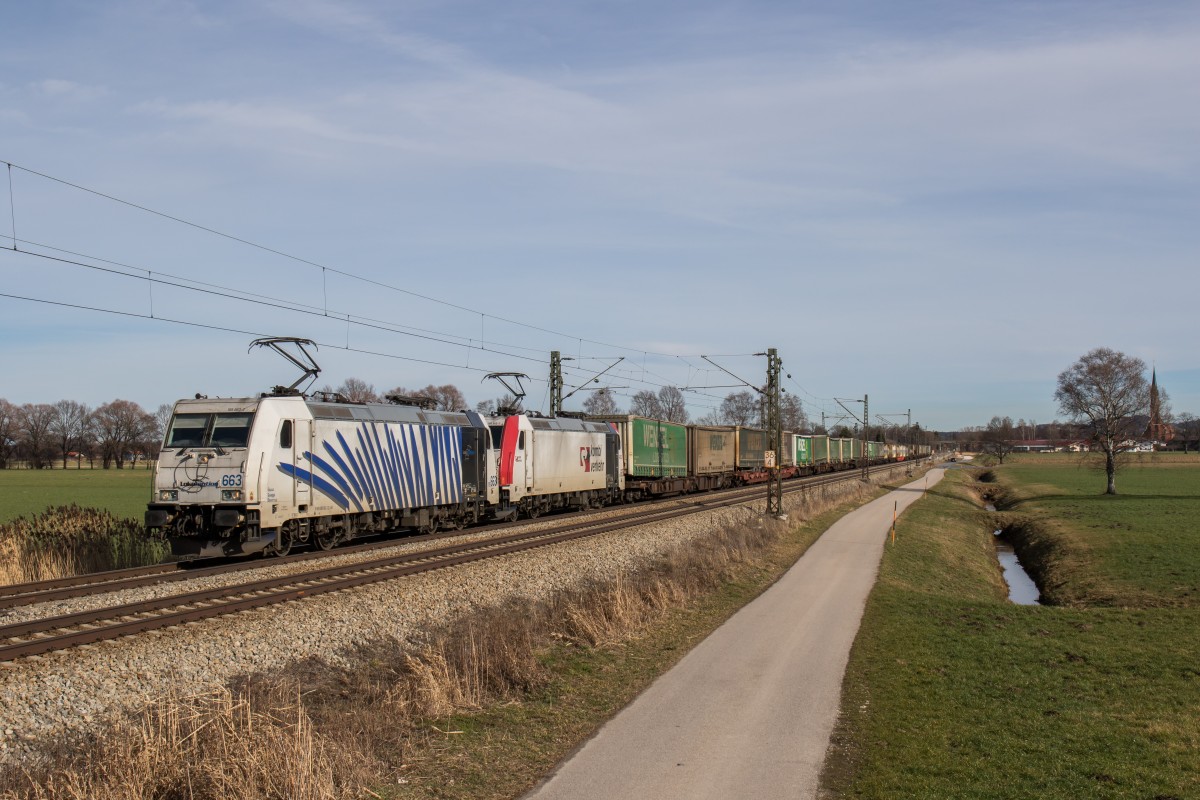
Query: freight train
point(263, 475)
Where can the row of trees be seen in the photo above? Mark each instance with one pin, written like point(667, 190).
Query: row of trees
point(668, 403)
point(737, 408)
point(746, 408)
point(40, 433)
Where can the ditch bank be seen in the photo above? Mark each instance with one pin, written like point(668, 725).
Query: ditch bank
point(1020, 551)
point(1050, 564)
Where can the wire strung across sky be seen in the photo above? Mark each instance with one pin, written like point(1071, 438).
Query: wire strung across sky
point(302, 260)
point(633, 373)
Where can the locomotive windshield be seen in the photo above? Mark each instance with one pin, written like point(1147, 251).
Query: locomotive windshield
point(209, 430)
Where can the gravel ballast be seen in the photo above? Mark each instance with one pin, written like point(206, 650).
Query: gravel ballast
point(81, 689)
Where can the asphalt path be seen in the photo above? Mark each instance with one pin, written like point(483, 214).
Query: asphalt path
point(748, 713)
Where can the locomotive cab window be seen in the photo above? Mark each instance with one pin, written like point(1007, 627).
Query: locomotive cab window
point(231, 430)
point(187, 430)
point(285, 434)
point(209, 430)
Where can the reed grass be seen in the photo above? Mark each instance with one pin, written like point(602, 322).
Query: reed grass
point(69, 540)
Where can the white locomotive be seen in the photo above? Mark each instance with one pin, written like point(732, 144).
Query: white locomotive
point(262, 475)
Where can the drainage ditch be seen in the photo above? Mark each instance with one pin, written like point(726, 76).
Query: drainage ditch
point(1021, 588)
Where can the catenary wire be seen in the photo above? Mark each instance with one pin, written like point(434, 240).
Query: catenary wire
point(315, 264)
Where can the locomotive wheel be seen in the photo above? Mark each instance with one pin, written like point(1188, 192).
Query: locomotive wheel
point(429, 528)
point(534, 511)
point(284, 539)
point(327, 539)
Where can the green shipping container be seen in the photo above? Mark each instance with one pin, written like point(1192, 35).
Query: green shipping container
point(653, 449)
point(820, 449)
point(804, 453)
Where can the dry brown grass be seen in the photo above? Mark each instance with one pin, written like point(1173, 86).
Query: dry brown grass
point(19, 564)
point(332, 732)
point(69, 540)
point(233, 744)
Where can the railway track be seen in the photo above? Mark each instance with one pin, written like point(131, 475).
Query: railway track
point(37, 637)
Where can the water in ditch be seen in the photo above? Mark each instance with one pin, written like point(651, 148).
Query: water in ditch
point(1021, 588)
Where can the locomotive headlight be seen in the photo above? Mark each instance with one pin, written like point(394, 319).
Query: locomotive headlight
point(231, 494)
point(168, 494)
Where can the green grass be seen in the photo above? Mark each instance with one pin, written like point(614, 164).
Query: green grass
point(952, 692)
point(1140, 547)
point(25, 492)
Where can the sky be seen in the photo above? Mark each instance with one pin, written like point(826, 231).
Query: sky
point(939, 205)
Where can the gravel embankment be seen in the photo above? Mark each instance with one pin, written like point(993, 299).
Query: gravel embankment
point(70, 691)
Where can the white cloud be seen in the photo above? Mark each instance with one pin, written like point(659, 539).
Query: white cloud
point(752, 128)
point(68, 90)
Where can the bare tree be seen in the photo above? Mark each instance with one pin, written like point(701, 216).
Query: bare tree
point(1187, 429)
point(447, 397)
point(68, 425)
point(601, 403)
point(672, 404)
point(162, 420)
point(358, 391)
point(1105, 389)
point(119, 425)
point(739, 408)
point(792, 413)
point(37, 441)
point(10, 416)
point(645, 404)
point(998, 438)
point(491, 407)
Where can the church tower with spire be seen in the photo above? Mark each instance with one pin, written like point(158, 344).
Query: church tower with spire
point(1157, 430)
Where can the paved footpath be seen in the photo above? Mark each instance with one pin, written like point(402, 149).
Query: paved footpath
point(748, 713)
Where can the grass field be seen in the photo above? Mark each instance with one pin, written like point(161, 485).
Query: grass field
point(25, 492)
point(1140, 547)
point(952, 692)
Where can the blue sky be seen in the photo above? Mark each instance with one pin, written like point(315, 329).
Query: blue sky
point(939, 204)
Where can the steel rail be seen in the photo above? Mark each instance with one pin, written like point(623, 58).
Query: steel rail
point(24, 594)
point(178, 609)
point(194, 606)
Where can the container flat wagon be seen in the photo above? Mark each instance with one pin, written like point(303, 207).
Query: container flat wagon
point(787, 455)
point(803, 451)
point(656, 455)
point(752, 447)
point(820, 450)
point(712, 455)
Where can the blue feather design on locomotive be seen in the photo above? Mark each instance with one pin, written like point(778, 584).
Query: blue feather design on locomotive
point(387, 465)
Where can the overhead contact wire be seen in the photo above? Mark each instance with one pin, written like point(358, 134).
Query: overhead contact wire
point(301, 260)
